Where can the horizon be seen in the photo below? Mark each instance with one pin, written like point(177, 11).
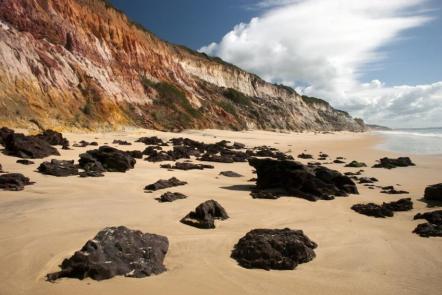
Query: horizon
point(382, 84)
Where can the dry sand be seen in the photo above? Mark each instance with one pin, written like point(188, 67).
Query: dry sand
point(356, 255)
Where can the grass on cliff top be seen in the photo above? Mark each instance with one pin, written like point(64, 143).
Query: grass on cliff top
point(313, 100)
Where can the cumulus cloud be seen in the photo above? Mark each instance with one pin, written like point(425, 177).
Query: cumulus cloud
point(321, 47)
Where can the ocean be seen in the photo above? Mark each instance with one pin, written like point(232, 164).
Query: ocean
point(424, 141)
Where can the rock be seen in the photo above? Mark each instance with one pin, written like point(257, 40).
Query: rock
point(5, 132)
point(392, 191)
point(400, 205)
point(354, 173)
point(162, 184)
point(295, 179)
point(257, 194)
point(433, 227)
point(238, 146)
point(433, 192)
point(356, 164)
point(338, 161)
point(116, 251)
point(205, 214)
point(384, 210)
point(111, 159)
point(427, 230)
point(372, 209)
point(216, 158)
point(22, 146)
point(367, 180)
point(230, 174)
point(159, 157)
point(60, 168)
point(91, 166)
point(151, 150)
point(183, 152)
point(53, 138)
point(305, 156)
point(388, 163)
point(25, 162)
point(83, 143)
point(151, 140)
point(121, 142)
point(171, 197)
point(281, 249)
point(14, 182)
point(187, 166)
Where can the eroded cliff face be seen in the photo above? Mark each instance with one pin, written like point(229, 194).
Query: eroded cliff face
point(71, 64)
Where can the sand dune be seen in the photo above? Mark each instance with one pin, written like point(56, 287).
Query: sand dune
point(48, 221)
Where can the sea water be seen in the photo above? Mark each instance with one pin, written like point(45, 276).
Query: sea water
point(415, 141)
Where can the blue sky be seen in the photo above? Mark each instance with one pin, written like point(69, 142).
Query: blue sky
point(377, 59)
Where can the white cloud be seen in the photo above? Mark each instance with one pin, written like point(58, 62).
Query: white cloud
point(327, 44)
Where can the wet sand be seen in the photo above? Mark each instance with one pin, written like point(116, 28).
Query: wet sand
point(48, 221)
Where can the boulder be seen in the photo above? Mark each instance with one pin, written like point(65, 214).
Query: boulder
point(434, 217)
point(230, 174)
point(151, 140)
point(25, 162)
point(388, 163)
point(205, 214)
point(187, 166)
point(91, 166)
point(171, 197)
point(257, 194)
point(356, 164)
point(433, 192)
point(22, 146)
point(400, 205)
point(305, 156)
point(14, 182)
point(84, 143)
point(111, 159)
point(159, 157)
point(4, 132)
point(135, 154)
point(372, 209)
point(116, 251)
point(216, 158)
point(337, 161)
point(392, 191)
point(53, 138)
point(162, 184)
point(121, 142)
point(60, 168)
point(433, 227)
point(281, 249)
point(292, 178)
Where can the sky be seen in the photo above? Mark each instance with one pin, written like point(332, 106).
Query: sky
point(379, 60)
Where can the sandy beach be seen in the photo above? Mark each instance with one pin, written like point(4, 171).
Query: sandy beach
point(356, 254)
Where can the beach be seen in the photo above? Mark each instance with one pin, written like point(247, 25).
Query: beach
point(356, 254)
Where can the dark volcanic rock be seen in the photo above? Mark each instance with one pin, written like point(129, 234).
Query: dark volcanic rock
point(305, 156)
point(60, 168)
point(14, 182)
point(135, 154)
point(367, 180)
point(20, 145)
point(205, 214)
point(53, 138)
point(159, 157)
point(393, 163)
point(162, 184)
point(257, 194)
point(337, 161)
point(187, 166)
point(111, 159)
point(217, 158)
point(4, 132)
point(230, 174)
point(151, 140)
point(116, 251)
point(295, 179)
point(392, 191)
point(91, 166)
point(121, 142)
point(356, 164)
point(400, 205)
point(281, 249)
point(83, 143)
point(171, 197)
point(433, 228)
point(433, 192)
point(372, 209)
point(25, 162)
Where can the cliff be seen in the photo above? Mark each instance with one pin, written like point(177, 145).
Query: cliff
point(81, 64)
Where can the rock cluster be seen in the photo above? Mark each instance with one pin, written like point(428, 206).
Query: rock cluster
point(163, 183)
point(205, 215)
point(14, 182)
point(121, 142)
point(295, 179)
point(25, 162)
point(111, 159)
point(384, 210)
point(23, 146)
point(392, 191)
point(281, 249)
point(433, 227)
point(433, 192)
point(356, 164)
point(171, 197)
point(388, 163)
point(60, 168)
point(187, 166)
point(84, 143)
point(116, 251)
point(54, 138)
